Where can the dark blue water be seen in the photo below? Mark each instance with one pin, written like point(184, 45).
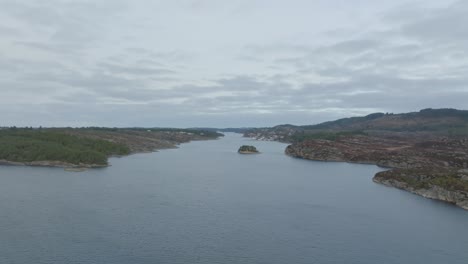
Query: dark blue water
point(204, 203)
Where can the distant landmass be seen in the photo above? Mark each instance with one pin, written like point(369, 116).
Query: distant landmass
point(447, 120)
point(232, 129)
point(426, 151)
point(451, 122)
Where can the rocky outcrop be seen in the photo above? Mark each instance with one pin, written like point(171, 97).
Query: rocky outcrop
point(434, 168)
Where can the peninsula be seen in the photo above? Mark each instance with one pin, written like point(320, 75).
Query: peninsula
point(87, 147)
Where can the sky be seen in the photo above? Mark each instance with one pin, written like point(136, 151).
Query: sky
point(227, 63)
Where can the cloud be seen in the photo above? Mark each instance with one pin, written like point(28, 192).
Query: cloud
point(200, 63)
point(134, 70)
point(441, 26)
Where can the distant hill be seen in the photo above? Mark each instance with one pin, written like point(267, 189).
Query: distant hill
point(441, 121)
point(229, 129)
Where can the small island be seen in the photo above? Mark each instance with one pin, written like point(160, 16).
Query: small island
point(245, 149)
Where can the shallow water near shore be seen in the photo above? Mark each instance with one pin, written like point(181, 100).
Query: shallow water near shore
point(205, 203)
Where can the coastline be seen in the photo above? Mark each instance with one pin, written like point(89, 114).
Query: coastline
point(52, 163)
point(434, 193)
point(443, 177)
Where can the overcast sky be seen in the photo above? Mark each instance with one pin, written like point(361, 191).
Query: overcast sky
point(227, 63)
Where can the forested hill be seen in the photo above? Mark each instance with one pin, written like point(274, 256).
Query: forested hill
point(444, 120)
point(450, 122)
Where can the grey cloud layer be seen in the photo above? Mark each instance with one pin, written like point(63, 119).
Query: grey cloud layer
point(65, 63)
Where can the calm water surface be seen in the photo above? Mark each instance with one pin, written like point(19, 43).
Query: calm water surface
point(204, 203)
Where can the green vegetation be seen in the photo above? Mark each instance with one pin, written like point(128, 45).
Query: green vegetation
point(248, 149)
point(88, 145)
point(409, 179)
point(332, 136)
point(446, 182)
point(450, 183)
point(27, 145)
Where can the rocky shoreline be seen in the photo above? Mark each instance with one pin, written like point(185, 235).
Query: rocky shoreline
point(434, 168)
point(392, 178)
point(248, 152)
point(51, 163)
